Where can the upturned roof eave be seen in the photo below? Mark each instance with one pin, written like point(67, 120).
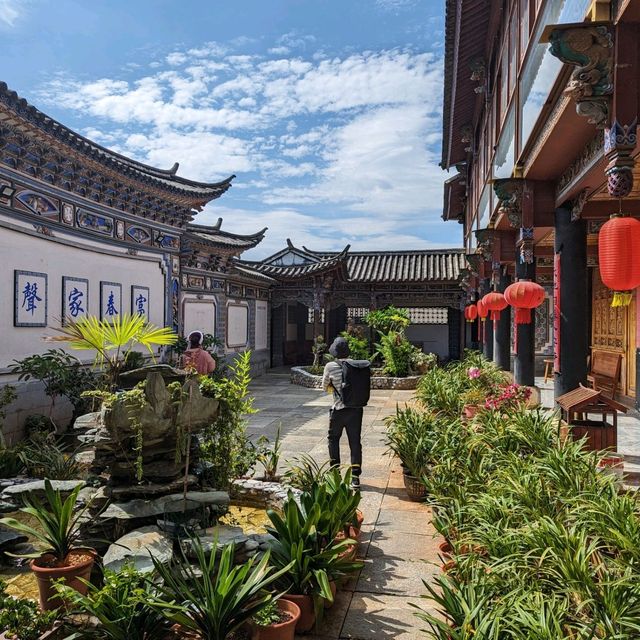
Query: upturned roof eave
point(198, 192)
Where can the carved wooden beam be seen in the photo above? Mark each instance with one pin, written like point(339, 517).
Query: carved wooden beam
point(588, 47)
point(509, 193)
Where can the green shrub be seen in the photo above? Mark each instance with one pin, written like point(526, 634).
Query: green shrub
point(388, 319)
point(22, 618)
point(396, 353)
point(358, 346)
point(224, 445)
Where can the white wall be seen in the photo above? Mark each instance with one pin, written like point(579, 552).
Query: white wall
point(262, 321)
point(237, 325)
point(434, 338)
point(82, 258)
point(199, 314)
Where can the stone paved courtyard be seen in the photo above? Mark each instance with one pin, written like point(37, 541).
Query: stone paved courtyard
point(399, 545)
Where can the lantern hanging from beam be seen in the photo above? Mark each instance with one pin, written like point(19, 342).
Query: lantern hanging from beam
point(495, 303)
point(470, 312)
point(523, 296)
point(483, 312)
point(619, 257)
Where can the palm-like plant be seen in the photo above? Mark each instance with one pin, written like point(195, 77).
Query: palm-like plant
point(59, 530)
point(310, 558)
point(303, 470)
point(113, 339)
point(215, 597)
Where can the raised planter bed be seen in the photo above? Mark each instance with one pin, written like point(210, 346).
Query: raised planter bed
point(304, 378)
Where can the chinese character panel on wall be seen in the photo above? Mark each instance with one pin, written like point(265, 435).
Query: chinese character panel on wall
point(140, 301)
point(110, 299)
point(30, 299)
point(75, 298)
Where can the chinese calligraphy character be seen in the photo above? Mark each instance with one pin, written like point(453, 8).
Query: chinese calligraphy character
point(111, 306)
point(75, 302)
point(140, 301)
point(30, 293)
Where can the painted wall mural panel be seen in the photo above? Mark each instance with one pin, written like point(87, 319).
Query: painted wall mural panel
point(95, 222)
point(37, 203)
point(237, 325)
point(140, 301)
point(110, 299)
point(75, 298)
point(30, 299)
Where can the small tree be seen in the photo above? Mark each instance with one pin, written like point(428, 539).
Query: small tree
point(60, 373)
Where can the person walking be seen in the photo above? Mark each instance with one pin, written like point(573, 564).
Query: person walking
point(349, 381)
point(196, 358)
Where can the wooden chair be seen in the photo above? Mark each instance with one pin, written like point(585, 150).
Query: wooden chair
point(605, 372)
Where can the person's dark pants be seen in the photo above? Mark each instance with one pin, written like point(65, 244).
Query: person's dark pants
point(351, 420)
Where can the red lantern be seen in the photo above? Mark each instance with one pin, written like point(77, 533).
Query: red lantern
point(483, 312)
point(618, 250)
point(495, 303)
point(471, 312)
point(523, 296)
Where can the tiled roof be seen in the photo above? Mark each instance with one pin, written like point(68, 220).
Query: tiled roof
point(16, 111)
point(377, 266)
point(454, 194)
point(466, 34)
point(215, 237)
point(251, 272)
point(297, 271)
point(405, 266)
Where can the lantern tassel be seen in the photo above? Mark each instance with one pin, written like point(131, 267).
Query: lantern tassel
point(621, 298)
point(523, 316)
point(495, 316)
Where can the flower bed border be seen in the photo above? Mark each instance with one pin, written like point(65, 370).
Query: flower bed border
point(303, 378)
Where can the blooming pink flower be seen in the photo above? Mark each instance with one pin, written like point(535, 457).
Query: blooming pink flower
point(473, 372)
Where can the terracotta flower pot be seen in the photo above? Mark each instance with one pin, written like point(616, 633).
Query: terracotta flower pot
point(448, 566)
point(307, 614)
point(334, 589)
point(415, 489)
point(445, 549)
point(282, 631)
point(78, 568)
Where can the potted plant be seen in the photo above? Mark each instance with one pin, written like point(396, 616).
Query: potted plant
point(276, 621)
point(473, 400)
point(59, 532)
point(212, 597)
point(312, 558)
point(121, 605)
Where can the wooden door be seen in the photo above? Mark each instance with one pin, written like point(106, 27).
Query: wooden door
point(614, 329)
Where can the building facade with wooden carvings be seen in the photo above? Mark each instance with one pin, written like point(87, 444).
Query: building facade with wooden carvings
point(540, 111)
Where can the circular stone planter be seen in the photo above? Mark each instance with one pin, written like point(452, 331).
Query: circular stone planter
point(304, 378)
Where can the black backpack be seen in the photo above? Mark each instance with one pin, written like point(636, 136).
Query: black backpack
point(356, 383)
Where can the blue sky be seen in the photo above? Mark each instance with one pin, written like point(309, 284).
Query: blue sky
point(328, 112)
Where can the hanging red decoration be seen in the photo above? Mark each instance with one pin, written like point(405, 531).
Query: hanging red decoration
point(618, 250)
point(483, 312)
point(471, 312)
point(523, 296)
point(495, 303)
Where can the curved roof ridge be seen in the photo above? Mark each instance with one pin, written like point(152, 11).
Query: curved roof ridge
point(22, 107)
point(215, 230)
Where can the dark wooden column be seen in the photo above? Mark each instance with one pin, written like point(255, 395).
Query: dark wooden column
point(524, 366)
point(487, 339)
point(502, 329)
point(571, 337)
point(454, 320)
point(278, 328)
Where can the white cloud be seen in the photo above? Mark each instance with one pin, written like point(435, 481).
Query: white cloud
point(10, 11)
point(329, 150)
